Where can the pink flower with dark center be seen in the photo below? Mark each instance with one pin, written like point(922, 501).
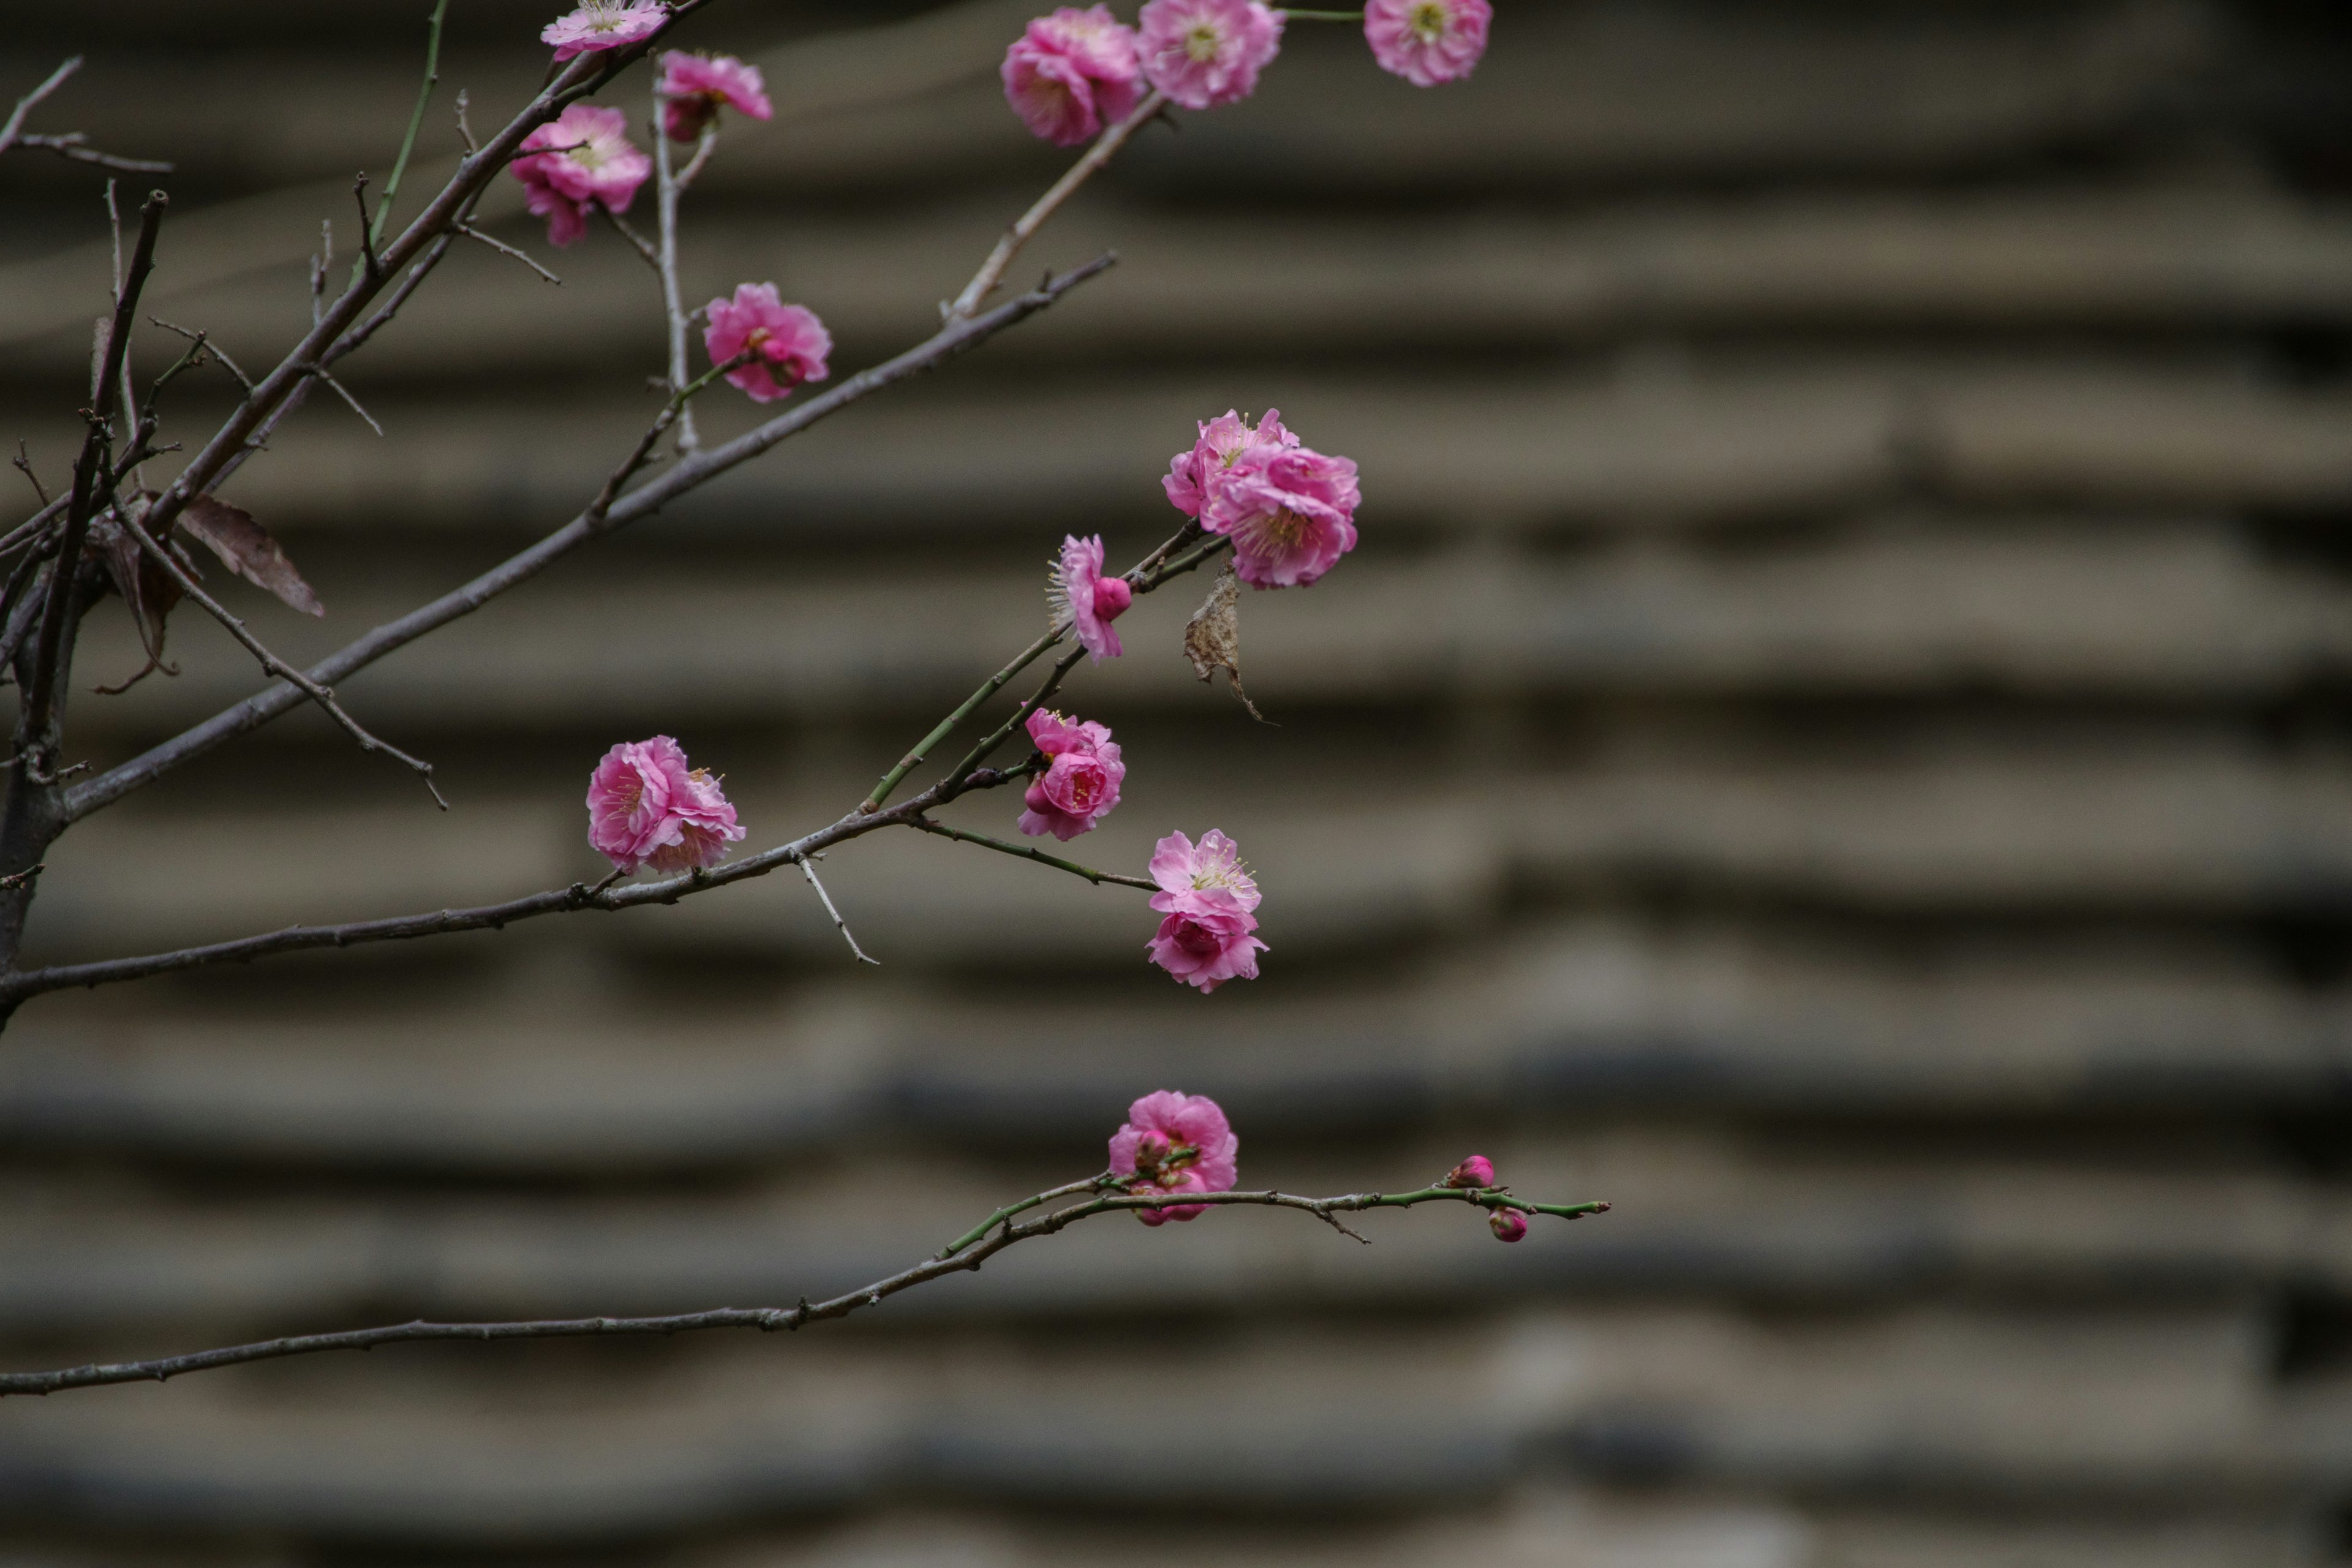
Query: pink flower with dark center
point(1290, 510)
point(1175, 1144)
point(1071, 73)
point(1080, 783)
point(604, 24)
point(1509, 1224)
point(1191, 475)
point(789, 339)
point(1478, 1170)
point(694, 87)
point(646, 808)
point(1205, 53)
point(1206, 896)
point(1428, 42)
point(575, 161)
point(1079, 594)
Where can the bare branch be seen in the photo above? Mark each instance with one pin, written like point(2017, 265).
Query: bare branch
point(953, 337)
point(10, 130)
point(344, 393)
point(993, 1234)
point(645, 247)
point(73, 145)
point(23, 463)
point(503, 249)
point(669, 186)
point(808, 870)
point(276, 665)
point(1024, 852)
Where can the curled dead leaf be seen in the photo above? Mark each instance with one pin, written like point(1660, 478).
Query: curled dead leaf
point(1212, 637)
point(146, 588)
point(245, 548)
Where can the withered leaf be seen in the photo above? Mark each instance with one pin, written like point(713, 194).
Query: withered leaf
point(146, 588)
point(1212, 637)
point(245, 548)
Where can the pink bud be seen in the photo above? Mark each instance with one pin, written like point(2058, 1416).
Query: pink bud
point(1509, 1224)
point(1112, 597)
point(1478, 1170)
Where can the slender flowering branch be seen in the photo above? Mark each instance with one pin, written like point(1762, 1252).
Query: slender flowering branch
point(1026, 853)
point(1001, 1230)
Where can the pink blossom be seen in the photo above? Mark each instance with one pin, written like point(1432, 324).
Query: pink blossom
point(596, 163)
point(1428, 41)
point(1175, 1144)
point(1290, 510)
point(1080, 783)
point(604, 24)
point(694, 87)
point(1478, 1170)
point(789, 337)
point(1205, 53)
point(646, 808)
point(1509, 1224)
point(1190, 474)
point(1081, 594)
point(1206, 896)
point(1071, 73)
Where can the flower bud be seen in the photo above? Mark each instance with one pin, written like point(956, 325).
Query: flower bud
point(1112, 597)
point(1509, 1224)
point(1478, 1170)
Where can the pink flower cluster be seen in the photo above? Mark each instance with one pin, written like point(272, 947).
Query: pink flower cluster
point(1206, 897)
point(695, 87)
point(646, 808)
point(604, 24)
point(1080, 783)
point(1175, 1144)
point(1428, 41)
point(1290, 511)
point(580, 159)
point(1081, 594)
point(790, 343)
point(1073, 73)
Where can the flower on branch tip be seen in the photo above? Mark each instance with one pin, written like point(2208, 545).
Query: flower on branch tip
point(581, 158)
point(604, 24)
point(1175, 1144)
point(1509, 1224)
point(1192, 474)
point(1205, 53)
point(1078, 593)
point(646, 808)
point(1080, 783)
point(1478, 1170)
point(1290, 510)
point(1071, 73)
point(695, 87)
point(789, 343)
point(1428, 42)
point(1206, 898)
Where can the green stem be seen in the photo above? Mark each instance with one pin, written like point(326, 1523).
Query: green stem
point(1091, 1184)
point(946, 726)
point(1186, 561)
point(1024, 852)
point(407, 142)
point(997, 737)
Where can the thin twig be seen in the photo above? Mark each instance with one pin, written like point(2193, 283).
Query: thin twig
point(25, 105)
point(416, 119)
point(322, 696)
point(1024, 852)
point(75, 146)
point(808, 870)
point(374, 268)
point(23, 463)
point(344, 393)
point(992, 272)
point(667, 188)
point(645, 247)
point(465, 131)
point(1000, 1231)
point(218, 352)
point(503, 249)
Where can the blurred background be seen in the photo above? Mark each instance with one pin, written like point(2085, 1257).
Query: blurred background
point(1835, 738)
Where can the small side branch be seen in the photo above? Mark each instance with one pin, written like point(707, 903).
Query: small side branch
point(808, 870)
point(964, 1254)
point(1024, 852)
point(12, 129)
point(503, 249)
point(992, 272)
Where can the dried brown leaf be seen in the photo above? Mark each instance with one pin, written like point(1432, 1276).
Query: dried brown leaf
point(1212, 637)
point(245, 548)
point(146, 588)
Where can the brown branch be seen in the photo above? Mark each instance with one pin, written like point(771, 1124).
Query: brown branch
point(953, 339)
point(503, 249)
point(994, 1235)
point(15, 124)
point(992, 272)
point(73, 145)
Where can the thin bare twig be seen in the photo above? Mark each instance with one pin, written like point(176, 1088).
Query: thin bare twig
point(344, 393)
point(808, 870)
point(23, 463)
point(1026, 853)
point(1000, 1231)
point(367, 241)
point(503, 249)
point(465, 131)
point(218, 352)
point(322, 696)
point(992, 272)
point(667, 188)
point(645, 247)
point(15, 124)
